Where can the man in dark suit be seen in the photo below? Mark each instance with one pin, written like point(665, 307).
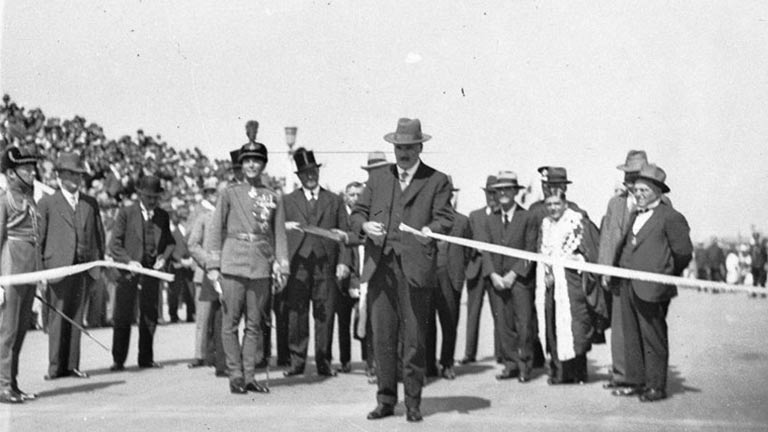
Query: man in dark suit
point(182, 267)
point(477, 284)
point(71, 232)
point(513, 279)
point(446, 295)
point(399, 265)
point(142, 238)
point(658, 241)
point(315, 265)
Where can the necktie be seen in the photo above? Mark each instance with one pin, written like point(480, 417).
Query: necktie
point(312, 201)
point(403, 180)
point(506, 220)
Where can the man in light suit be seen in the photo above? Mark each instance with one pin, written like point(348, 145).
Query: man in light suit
point(142, 238)
point(658, 241)
point(71, 232)
point(399, 265)
point(477, 284)
point(315, 265)
point(513, 279)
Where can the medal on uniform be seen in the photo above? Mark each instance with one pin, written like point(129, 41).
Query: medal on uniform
point(634, 240)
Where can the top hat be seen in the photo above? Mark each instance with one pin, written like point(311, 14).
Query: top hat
point(305, 159)
point(375, 160)
point(150, 185)
point(635, 160)
point(16, 157)
point(234, 157)
point(70, 161)
point(489, 182)
point(408, 132)
point(556, 175)
point(655, 175)
point(506, 179)
point(211, 183)
point(253, 149)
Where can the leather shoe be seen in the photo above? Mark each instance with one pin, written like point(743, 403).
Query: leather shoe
point(507, 374)
point(610, 385)
point(292, 372)
point(467, 360)
point(653, 395)
point(77, 373)
point(153, 365)
point(237, 387)
point(10, 397)
point(25, 396)
point(327, 372)
point(524, 376)
point(413, 415)
point(448, 373)
point(196, 363)
point(628, 391)
point(116, 367)
point(345, 368)
point(381, 411)
point(222, 374)
point(255, 387)
point(50, 377)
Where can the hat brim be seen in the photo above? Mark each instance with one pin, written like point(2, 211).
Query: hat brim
point(556, 181)
point(392, 138)
point(663, 186)
point(628, 168)
point(71, 169)
point(375, 165)
point(149, 193)
point(306, 167)
point(506, 185)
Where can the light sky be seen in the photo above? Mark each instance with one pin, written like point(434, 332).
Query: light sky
point(500, 85)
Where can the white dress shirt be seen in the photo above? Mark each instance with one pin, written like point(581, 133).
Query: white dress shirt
point(409, 174)
point(643, 215)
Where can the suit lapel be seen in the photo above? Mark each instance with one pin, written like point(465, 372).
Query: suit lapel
point(65, 209)
point(648, 226)
point(496, 227)
point(417, 183)
point(323, 201)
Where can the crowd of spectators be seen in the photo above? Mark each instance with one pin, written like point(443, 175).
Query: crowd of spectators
point(735, 262)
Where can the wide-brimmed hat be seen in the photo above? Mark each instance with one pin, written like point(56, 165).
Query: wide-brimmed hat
point(70, 161)
point(506, 179)
point(553, 174)
point(376, 159)
point(211, 183)
point(489, 182)
point(635, 160)
point(408, 132)
point(234, 157)
point(15, 157)
point(305, 159)
point(655, 175)
point(150, 185)
point(253, 149)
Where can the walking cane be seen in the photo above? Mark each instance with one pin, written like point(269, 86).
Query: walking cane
point(71, 321)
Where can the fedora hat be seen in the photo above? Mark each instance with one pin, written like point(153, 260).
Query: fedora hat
point(305, 159)
point(376, 159)
point(506, 179)
point(234, 156)
point(552, 174)
point(211, 183)
point(408, 132)
point(489, 182)
point(150, 185)
point(253, 149)
point(16, 157)
point(655, 175)
point(635, 160)
point(70, 161)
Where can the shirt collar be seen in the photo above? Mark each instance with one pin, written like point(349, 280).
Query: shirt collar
point(510, 212)
point(308, 193)
point(410, 170)
point(207, 205)
point(71, 197)
point(147, 214)
point(650, 206)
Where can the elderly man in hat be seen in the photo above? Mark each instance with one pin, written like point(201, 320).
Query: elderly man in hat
point(315, 265)
point(658, 241)
point(512, 279)
point(71, 232)
point(246, 243)
point(477, 284)
point(141, 237)
point(20, 253)
point(399, 265)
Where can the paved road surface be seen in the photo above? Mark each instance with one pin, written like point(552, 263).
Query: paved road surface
point(718, 381)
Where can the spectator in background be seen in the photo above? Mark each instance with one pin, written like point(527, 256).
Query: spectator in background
point(715, 259)
point(759, 259)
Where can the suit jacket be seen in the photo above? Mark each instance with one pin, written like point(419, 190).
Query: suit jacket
point(127, 242)
point(329, 213)
point(663, 245)
point(456, 257)
point(522, 233)
point(477, 220)
point(427, 203)
point(58, 233)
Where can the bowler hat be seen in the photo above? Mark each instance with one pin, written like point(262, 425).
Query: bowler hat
point(234, 157)
point(211, 183)
point(635, 160)
point(489, 182)
point(16, 157)
point(408, 132)
point(304, 159)
point(506, 179)
point(150, 185)
point(655, 175)
point(70, 161)
point(375, 160)
point(253, 149)
point(555, 175)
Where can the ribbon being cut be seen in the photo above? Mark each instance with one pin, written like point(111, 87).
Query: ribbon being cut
point(62, 272)
point(589, 267)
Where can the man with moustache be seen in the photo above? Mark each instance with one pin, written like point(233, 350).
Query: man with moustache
point(513, 279)
point(477, 284)
point(315, 265)
point(141, 237)
point(71, 232)
point(658, 241)
point(247, 246)
point(399, 265)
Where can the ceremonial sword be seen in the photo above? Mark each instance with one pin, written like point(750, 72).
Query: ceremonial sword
point(71, 321)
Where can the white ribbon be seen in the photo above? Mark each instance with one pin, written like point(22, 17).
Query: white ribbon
point(62, 272)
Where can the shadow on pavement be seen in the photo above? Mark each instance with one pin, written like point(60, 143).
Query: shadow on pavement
point(675, 383)
point(82, 388)
point(460, 404)
point(472, 369)
point(136, 368)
